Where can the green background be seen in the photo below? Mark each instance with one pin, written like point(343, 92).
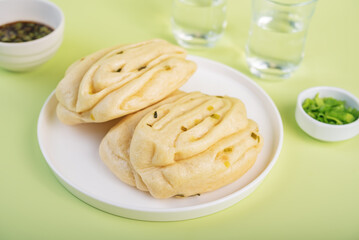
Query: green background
point(311, 193)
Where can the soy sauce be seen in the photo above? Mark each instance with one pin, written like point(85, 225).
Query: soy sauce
point(23, 31)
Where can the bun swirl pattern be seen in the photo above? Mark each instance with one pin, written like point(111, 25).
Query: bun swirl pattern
point(194, 145)
point(120, 80)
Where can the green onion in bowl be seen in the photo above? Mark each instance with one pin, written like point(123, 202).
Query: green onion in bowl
point(329, 110)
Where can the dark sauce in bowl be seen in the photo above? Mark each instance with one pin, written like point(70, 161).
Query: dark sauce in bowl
point(23, 31)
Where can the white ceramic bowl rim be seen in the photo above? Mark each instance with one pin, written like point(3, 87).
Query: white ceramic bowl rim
point(56, 29)
point(303, 95)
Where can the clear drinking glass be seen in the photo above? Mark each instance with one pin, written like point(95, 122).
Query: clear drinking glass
point(198, 23)
point(277, 36)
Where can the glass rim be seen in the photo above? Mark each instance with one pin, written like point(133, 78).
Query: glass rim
point(299, 4)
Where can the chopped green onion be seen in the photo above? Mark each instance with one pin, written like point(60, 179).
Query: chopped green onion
point(330, 110)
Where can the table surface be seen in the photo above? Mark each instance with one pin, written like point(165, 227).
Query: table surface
point(311, 193)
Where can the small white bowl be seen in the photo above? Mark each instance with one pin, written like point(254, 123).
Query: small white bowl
point(27, 55)
point(324, 131)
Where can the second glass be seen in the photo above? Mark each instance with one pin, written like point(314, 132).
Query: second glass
point(198, 23)
point(277, 36)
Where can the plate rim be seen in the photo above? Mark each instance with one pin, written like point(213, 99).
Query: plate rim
point(198, 207)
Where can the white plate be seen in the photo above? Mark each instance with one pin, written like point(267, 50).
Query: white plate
point(72, 153)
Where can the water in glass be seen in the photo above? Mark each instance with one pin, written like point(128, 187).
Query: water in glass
point(198, 23)
point(275, 45)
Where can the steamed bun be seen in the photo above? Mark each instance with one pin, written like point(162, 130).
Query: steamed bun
point(114, 82)
point(191, 144)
